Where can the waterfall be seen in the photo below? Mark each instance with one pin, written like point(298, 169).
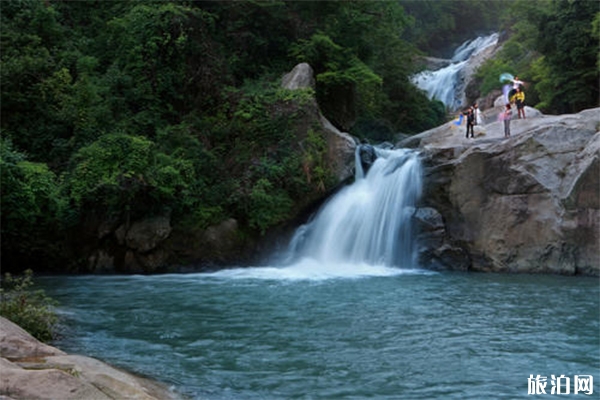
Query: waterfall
point(368, 222)
point(447, 84)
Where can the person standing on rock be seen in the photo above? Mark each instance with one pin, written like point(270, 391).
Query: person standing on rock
point(520, 102)
point(516, 85)
point(470, 122)
point(506, 116)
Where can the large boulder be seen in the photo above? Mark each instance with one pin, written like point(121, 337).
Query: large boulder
point(32, 370)
point(16, 343)
point(529, 203)
point(340, 145)
point(146, 234)
point(132, 247)
point(300, 77)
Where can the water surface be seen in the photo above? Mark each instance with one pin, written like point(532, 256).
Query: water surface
point(357, 332)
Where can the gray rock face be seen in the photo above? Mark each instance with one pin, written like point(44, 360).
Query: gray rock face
point(367, 156)
point(144, 235)
point(33, 370)
point(141, 242)
point(302, 76)
point(529, 203)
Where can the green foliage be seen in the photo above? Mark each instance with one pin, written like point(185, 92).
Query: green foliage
point(489, 73)
point(540, 71)
point(437, 27)
point(51, 102)
point(314, 161)
point(553, 47)
point(256, 34)
point(114, 164)
point(31, 309)
point(267, 206)
point(32, 209)
point(122, 172)
point(269, 169)
point(570, 52)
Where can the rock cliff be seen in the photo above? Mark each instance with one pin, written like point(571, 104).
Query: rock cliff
point(528, 203)
point(153, 245)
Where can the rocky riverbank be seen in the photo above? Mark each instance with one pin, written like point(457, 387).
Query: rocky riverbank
point(32, 370)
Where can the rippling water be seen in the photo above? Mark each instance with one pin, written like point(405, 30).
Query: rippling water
point(376, 332)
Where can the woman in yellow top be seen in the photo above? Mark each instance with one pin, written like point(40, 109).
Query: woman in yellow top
point(519, 99)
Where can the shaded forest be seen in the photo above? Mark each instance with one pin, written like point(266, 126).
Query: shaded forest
point(122, 110)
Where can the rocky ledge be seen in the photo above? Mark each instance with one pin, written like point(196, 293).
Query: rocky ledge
point(528, 203)
point(32, 370)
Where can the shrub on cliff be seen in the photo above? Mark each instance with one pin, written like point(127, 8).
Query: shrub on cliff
point(31, 309)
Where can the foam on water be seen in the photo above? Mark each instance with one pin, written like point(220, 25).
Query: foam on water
point(312, 270)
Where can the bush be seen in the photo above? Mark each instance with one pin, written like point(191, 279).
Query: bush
point(32, 208)
point(31, 309)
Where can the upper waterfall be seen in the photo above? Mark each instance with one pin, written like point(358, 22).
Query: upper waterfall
point(447, 84)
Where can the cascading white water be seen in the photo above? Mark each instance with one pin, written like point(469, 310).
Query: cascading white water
point(368, 222)
point(442, 85)
point(447, 84)
point(363, 230)
point(473, 47)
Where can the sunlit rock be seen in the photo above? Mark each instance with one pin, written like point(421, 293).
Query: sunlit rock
point(30, 369)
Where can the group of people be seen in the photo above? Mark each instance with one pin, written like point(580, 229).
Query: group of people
point(515, 96)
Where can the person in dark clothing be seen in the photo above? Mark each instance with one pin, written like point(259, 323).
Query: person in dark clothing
point(470, 122)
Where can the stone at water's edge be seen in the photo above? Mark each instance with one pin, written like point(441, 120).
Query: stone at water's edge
point(32, 370)
point(530, 203)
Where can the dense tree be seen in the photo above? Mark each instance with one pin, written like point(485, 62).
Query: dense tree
point(33, 211)
point(570, 51)
point(438, 27)
point(553, 47)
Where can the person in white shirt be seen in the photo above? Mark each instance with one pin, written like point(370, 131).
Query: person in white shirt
point(517, 83)
point(478, 120)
